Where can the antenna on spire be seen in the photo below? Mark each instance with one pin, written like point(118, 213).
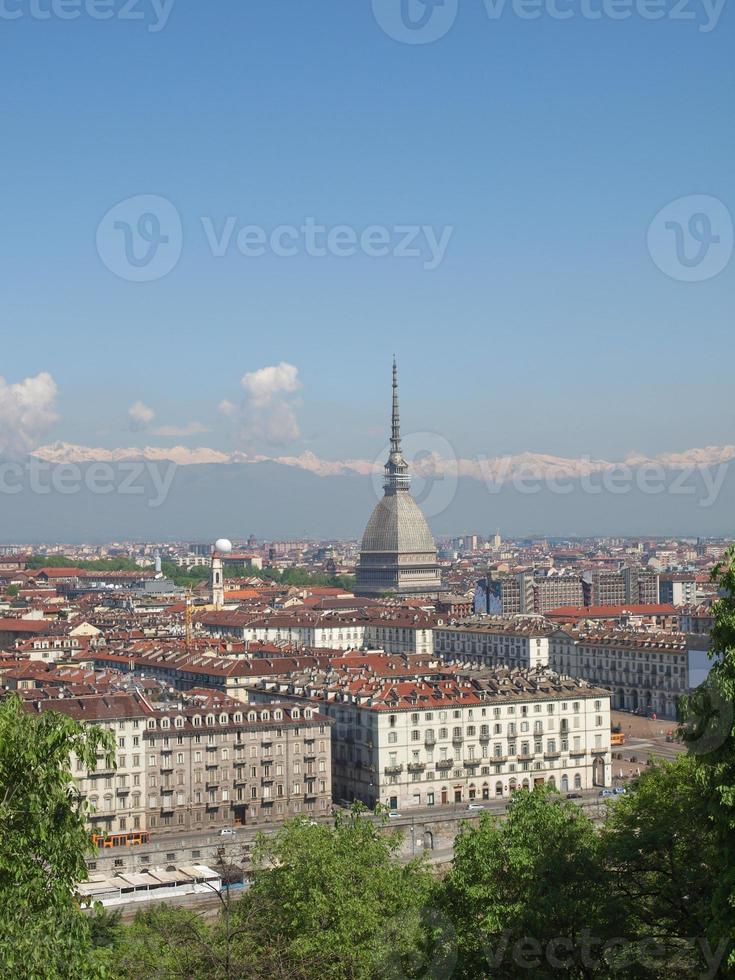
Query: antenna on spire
point(395, 429)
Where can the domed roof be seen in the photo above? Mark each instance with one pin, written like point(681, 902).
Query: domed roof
point(397, 524)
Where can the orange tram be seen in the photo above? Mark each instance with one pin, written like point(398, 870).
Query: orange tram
point(121, 840)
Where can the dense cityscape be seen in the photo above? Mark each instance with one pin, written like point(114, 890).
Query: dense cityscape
point(367, 481)
point(246, 684)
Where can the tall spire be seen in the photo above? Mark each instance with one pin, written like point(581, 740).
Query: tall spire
point(395, 427)
point(396, 469)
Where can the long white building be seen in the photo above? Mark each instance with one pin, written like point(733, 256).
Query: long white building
point(445, 734)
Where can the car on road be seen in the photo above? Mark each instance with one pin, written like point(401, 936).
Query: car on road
point(607, 792)
point(574, 796)
point(620, 791)
point(475, 806)
point(227, 832)
point(393, 813)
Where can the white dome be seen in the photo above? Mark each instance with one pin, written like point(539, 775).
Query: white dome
point(223, 545)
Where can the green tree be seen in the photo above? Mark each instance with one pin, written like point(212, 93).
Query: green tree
point(166, 943)
point(708, 717)
point(43, 840)
point(661, 850)
point(518, 885)
point(335, 902)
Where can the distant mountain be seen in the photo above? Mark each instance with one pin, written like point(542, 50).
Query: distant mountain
point(142, 496)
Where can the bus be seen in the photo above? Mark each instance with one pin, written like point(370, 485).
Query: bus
point(617, 738)
point(121, 840)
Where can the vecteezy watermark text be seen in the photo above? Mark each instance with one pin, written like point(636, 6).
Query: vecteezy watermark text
point(141, 239)
point(150, 479)
point(318, 241)
point(425, 21)
point(613, 956)
point(154, 13)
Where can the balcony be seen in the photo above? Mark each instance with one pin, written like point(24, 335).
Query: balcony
point(429, 739)
point(552, 755)
point(471, 763)
point(416, 766)
point(211, 764)
point(267, 778)
point(525, 757)
point(444, 763)
point(575, 752)
point(393, 770)
point(597, 751)
point(457, 739)
point(309, 755)
point(484, 736)
point(167, 765)
point(496, 759)
point(211, 781)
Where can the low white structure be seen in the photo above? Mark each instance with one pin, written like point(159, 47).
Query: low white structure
point(151, 885)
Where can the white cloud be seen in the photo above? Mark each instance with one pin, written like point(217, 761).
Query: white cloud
point(190, 429)
point(268, 384)
point(27, 411)
point(267, 412)
point(140, 416)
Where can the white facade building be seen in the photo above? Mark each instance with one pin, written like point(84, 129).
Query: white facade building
point(478, 737)
point(516, 642)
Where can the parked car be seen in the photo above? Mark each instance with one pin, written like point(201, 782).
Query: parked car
point(393, 813)
point(227, 832)
point(620, 791)
point(475, 806)
point(574, 796)
point(607, 792)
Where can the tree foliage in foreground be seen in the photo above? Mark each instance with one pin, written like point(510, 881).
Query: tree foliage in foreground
point(43, 841)
point(709, 729)
point(538, 876)
point(326, 902)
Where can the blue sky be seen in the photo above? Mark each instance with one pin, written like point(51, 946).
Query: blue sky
point(546, 147)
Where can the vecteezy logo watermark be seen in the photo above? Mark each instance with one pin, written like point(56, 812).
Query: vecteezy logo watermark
point(433, 469)
point(150, 479)
point(140, 239)
point(691, 238)
point(155, 13)
point(338, 241)
point(415, 21)
point(424, 21)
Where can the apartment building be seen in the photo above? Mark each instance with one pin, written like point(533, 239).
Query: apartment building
point(504, 594)
point(398, 631)
point(325, 628)
point(478, 736)
point(557, 589)
point(604, 587)
point(678, 588)
point(642, 670)
point(494, 641)
point(242, 764)
point(203, 766)
point(115, 792)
